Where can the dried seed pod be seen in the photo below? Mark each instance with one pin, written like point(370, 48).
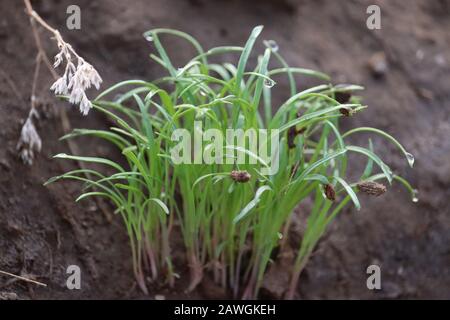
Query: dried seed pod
point(372, 188)
point(240, 176)
point(329, 192)
point(342, 97)
point(30, 142)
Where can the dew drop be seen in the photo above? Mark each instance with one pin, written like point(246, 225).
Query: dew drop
point(415, 197)
point(410, 158)
point(149, 38)
point(272, 45)
point(269, 83)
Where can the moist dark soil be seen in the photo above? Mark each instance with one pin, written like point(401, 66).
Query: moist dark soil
point(42, 229)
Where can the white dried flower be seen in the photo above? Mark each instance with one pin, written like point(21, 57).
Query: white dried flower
point(86, 75)
point(58, 60)
point(29, 141)
point(60, 86)
point(76, 95)
point(85, 105)
point(76, 80)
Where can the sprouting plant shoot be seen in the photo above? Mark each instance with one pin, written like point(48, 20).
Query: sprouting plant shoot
point(183, 171)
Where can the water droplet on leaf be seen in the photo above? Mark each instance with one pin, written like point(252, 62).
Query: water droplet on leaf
point(272, 45)
point(269, 83)
point(149, 38)
point(410, 158)
point(415, 198)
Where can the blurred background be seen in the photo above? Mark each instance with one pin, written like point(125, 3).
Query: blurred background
point(404, 66)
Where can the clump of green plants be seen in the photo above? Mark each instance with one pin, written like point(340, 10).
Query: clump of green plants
point(232, 215)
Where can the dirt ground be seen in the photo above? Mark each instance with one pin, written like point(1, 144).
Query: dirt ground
point(42, 230)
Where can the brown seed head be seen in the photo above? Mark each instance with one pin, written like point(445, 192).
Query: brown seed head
point(240, 176)
point(372, 188)
point(329, 192)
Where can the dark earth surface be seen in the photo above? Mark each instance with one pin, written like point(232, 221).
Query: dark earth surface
point(42, 230)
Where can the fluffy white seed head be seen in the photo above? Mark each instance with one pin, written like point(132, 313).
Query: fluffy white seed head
point(85, 105)
point(29, 141)
point(58, 60)
point(76, 95)
point(60, 86)
point(76, 80)
point(88, 76)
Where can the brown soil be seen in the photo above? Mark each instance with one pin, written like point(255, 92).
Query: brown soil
point(42, 230)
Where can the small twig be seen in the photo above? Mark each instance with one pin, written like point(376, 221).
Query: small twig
point(23, 278)
point(35, 80)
